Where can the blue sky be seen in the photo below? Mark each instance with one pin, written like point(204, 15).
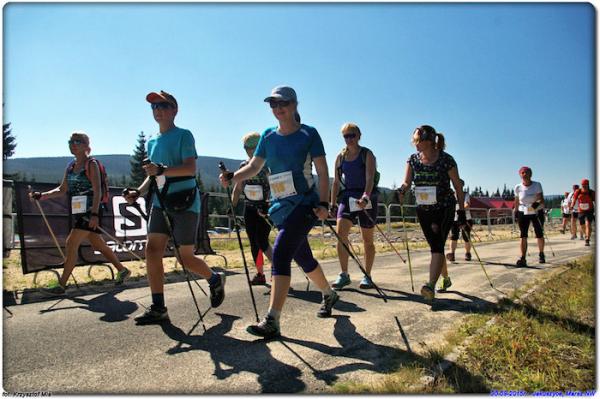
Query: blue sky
point(508, 84)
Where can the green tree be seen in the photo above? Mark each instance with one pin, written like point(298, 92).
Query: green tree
point(139, 154)
point(9, 142)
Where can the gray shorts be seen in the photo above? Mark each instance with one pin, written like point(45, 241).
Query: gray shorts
point(185, 225)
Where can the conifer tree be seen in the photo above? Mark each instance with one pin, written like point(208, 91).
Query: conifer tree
point(139, 154)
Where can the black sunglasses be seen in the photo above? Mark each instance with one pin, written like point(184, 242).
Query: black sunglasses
point(76, 141)
point(162, 105)
point(275, 104)
point(349, 136)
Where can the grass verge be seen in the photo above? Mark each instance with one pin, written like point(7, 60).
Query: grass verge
point(543, 343)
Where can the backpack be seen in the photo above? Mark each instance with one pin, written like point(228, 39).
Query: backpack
point(363, 156)
point(103, 177)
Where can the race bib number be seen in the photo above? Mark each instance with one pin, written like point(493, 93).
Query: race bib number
point(160, 181)
point(426, 195)
point(354, 206)
point(253, 192)
point(528, 210)
point(282, 185)
point(78, 204)
point(584, 207)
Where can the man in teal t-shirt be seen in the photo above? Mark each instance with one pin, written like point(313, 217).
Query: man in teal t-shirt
point(173, 161)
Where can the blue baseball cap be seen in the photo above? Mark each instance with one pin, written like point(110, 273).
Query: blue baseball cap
point(282, 93)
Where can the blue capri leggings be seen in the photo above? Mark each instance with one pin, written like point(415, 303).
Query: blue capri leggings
point(292, 243)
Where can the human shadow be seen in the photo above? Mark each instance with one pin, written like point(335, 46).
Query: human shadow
point(511, 265)
point(113, 309)
point(364, 354)
point(235, 356)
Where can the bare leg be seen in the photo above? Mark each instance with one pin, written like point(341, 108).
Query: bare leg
point(280, 287)
point(155, 250)
point(100, 245)
point(367, 236)
point(523, 247)
point(72, 245)
point(343, 229)
point(540, 242)
point(435, 267)
point(194, 263)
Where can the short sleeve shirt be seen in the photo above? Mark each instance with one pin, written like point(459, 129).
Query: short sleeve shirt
point(527, 196)
point(171, 148)
point(435, 175)
point(291, 153)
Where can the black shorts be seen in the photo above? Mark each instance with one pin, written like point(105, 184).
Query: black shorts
point(589, 215)
point(364, 221)
point(456, 228)
point(575, 215)
point(81, 221)
point(436, 225)
point(566, 216)
point(526, 220)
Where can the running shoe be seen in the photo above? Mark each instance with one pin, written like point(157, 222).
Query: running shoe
point(259, 279)
point(217, 291)
point(54, 289)
point(327, 304)
point(522, 262)
point(573, 237)
point(342, 281)
point(268, 328)
point(428, 292)
point(587, 243)
point(122, 275)
point(581, 238)
point(468, 256)
point(152, 315)
point(450, 257)
point(366, 283)
point(446, 283)
point(542, 257)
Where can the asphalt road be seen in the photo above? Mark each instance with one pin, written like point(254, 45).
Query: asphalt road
point(88, 342)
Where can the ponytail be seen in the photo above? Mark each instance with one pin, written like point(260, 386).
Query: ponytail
point(297, 117)
point(440, 141)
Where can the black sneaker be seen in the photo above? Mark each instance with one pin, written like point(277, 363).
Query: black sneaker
point(268, 328)
point(450, 257)
point(587, 243)
point(327, 304)
point(542, 257)
point(522, 262)
point(217, 291)
point(152, 315)
point(468, 256)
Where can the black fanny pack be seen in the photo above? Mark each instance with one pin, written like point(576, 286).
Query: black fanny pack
point(178, 201)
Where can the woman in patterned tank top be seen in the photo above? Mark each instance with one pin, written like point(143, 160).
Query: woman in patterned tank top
point(86, 211)
point(431, 169)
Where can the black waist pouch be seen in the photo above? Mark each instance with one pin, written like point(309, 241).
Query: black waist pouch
point(179, 201)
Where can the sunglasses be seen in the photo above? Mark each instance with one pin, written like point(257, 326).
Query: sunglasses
point(348, 136)
point(281, 104)
point(76, 142)
point(162, 105)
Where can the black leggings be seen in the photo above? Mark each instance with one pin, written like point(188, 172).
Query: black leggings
point(456, 229)
point(538, 225)
point(258, 231)
point(436, 225)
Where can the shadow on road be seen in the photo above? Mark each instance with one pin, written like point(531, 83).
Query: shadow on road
point(367, 355)
point(112, 308)
point(234, 356)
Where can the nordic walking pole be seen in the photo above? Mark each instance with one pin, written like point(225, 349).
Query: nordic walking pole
point(168, 222)
point(360, 266)
point(383, 234)
point(37, 202)
point(545, 235)
point(239, 237)
point(412, 284)
point(477, 254)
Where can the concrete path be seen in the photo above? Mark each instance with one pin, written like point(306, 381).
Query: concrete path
point(88, 342)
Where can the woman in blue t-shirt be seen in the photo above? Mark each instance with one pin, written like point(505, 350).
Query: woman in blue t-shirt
point(431, 169)
point(355, 169)
point(289, 150)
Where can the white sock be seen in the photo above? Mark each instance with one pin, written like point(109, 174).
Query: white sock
point(327, 291)
point(275, 314)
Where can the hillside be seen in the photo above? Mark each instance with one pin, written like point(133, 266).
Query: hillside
point(51, 169)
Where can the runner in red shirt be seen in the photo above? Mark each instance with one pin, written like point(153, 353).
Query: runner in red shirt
point(587, 198)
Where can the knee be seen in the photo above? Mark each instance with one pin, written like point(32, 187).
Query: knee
point(369, 246)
